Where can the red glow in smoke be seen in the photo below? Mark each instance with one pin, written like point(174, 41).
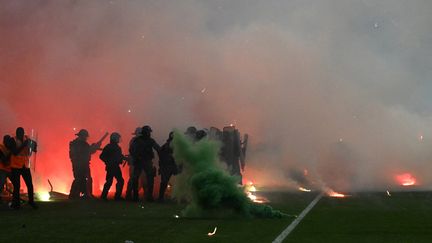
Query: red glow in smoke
point(406, 179)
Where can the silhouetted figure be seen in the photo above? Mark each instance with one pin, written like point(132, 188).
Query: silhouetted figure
point(113, 157)
point(167, 165)
point(191, 133)
point(22, 148)
point(5, 154)
point(80, 152)
point(215, 134)
point(129, 189)
point(200, 134)
point(141, 151)
point(232, 152)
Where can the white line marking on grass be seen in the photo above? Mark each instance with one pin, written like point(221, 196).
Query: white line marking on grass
point(292, 226)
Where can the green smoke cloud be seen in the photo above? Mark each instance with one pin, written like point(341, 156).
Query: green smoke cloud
point(205, 185)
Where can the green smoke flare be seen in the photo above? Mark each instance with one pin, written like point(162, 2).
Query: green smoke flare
point(205, 185)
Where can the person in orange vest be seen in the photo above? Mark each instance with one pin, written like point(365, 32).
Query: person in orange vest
point(5, 155)
point(22, 149)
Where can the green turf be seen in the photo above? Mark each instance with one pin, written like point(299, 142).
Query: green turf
point(369, 217)
point(97, 221)
point(364, 217)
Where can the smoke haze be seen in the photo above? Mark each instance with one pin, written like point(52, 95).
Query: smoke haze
point(340, 88)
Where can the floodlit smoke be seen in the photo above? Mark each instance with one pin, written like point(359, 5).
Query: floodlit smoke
point(338, 88)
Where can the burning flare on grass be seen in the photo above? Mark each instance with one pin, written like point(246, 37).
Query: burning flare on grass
point(406, 179)
point(250, 189)
point(332, 193)
point(304, 189)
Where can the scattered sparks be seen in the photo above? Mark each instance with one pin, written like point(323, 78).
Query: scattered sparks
point(74, 128)
point(406, 179)
point(129, 111)
point(176, 216)
point(388, 193)
point(212, 233)
point(304, 189)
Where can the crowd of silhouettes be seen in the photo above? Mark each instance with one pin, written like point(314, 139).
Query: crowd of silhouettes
point(16, 158)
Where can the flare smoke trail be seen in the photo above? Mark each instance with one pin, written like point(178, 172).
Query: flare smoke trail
point(206, 186)
point(297, 76)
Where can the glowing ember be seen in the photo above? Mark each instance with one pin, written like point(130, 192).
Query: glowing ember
point(212, 233)
point(304, 189)
point(256, 199)
point(251, 196)
point(44, 196)
point(335, 194)
point(406, 179)
point(332, 193)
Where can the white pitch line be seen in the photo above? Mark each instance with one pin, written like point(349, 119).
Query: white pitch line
point(292, 226)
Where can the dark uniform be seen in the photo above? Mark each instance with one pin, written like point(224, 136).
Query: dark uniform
point(191, 133)
point(80, 154)
point(141, 151)
point(167, 165)
point(113, 157)
point(129, 188)
point(200, 135)
point(231, 151)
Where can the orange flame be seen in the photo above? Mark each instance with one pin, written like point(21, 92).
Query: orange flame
point(332, 193)
point(406, 179)
point(249, 190)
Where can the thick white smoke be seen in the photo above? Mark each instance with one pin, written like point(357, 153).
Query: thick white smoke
point(336, 87)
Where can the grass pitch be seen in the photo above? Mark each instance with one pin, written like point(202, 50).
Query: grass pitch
point(369, 217)
point(363, 217)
